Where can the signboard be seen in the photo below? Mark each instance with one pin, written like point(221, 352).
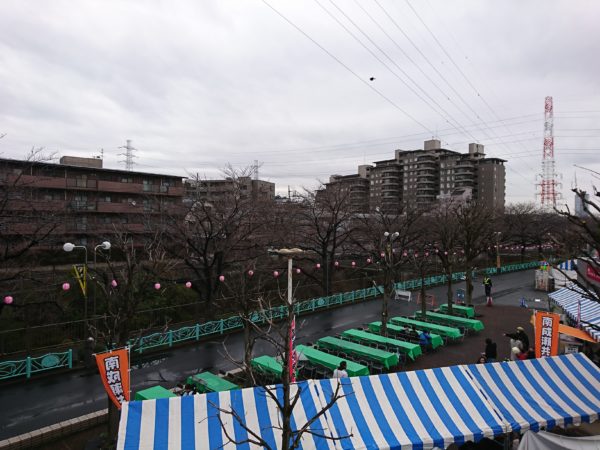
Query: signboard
point(571, 348)
point(546, 334)
point(80, 272)
point(114, 372)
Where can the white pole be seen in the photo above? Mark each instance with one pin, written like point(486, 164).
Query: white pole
point(289, 293)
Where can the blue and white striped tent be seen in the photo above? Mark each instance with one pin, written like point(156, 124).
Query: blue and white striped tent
point(568, 299)
point(544, 392)
point(420, 409)
point(409, 410)
point(569, 264)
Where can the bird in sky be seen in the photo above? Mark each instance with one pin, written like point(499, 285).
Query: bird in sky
point(372, 79)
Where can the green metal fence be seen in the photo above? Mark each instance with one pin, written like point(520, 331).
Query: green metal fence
point(30, 365)
point(199, 331)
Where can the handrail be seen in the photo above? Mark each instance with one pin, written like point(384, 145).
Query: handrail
point(31, 365)
point(198, 331)
point(49, 361)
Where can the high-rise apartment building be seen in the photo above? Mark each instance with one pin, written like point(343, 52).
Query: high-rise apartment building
point(355, 186)
point(420, 178)
point(222, 190)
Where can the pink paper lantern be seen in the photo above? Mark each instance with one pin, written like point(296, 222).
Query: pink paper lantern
point(8, 300)
point(318, 265)
point(66, 286)
point(250, 273)
point(426, 254)
point(157, 286)
point(404, 253)
point(445, 253)
point(416, 255)
point(298, 271)
point(382, 255)
point(353, 263)
point(436, 250)
point(114, 283)
point(369, 261)
point(221, 278)
point(336, 264)
point(276, 274)
point(188, 284)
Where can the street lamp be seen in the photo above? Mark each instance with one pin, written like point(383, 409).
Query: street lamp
point(69, 247)
point(290, 253)
point(104, 246)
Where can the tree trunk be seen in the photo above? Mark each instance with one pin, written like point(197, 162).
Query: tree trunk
point(423, 295)
point(449, 291)
point(384, 304)
point(248, 348)
point(469, 283)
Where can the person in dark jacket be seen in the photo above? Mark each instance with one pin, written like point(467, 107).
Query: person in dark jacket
point(491, 352)
point(520, 335)
point(487, 285)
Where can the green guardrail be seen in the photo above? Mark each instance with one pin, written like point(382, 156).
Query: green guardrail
point(31, 365)
point(198, 331)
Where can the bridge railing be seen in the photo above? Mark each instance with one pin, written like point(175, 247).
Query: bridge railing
point(31, 365)
point(221, 326)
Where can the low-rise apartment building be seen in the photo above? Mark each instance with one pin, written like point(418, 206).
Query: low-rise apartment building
point(83, 199)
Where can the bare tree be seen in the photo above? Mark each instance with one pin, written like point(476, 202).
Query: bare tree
point(245, 288)
point(390, 237)
point(582, 239)
point(126, 284)
point(280, 334)
point(475, 231)
point(324, 221)
point(222, 228)
point(446, 233)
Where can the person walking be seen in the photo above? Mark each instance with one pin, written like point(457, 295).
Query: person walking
point(487, 285)
point(518, 340)
point(340, 372)
point(491, 351)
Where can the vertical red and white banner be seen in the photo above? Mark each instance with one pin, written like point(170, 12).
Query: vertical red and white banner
point(114, 372)
point(293, 356)
point(579, 313)
point(546, 334)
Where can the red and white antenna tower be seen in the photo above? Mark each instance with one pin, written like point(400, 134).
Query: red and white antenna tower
point(548, 184)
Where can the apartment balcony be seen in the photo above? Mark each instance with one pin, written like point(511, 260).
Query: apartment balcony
point(34, 205)
point(75, 205)
point(30, 181)
point(31, 228)
point(426, 182)
point(125, 188)
point(113, 207)
point(81, 184)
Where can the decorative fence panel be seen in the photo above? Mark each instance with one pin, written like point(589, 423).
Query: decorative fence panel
point(29, 365)
point(32, 365)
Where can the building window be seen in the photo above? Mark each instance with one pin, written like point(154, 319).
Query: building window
point(126, 179)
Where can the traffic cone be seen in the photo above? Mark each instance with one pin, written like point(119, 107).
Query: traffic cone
point(489, 301)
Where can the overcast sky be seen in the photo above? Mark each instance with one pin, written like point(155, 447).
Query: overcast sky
point(199, 84)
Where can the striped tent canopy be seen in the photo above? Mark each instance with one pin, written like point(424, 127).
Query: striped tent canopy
point(544, 392)
point(420, 409)
point(569, 264)
point(568, 299)
point(409, 410)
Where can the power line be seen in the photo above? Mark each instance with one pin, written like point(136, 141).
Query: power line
point(361, 79)
point(440, 110)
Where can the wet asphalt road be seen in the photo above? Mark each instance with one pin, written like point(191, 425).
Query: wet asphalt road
point(35, 403)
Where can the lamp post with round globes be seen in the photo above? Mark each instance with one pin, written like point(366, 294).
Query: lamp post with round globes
point(104, 246)
point(69, 247)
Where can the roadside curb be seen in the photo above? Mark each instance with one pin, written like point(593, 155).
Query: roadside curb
point(53, 432)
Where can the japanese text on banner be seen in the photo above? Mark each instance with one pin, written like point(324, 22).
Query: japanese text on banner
point(114, 372)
